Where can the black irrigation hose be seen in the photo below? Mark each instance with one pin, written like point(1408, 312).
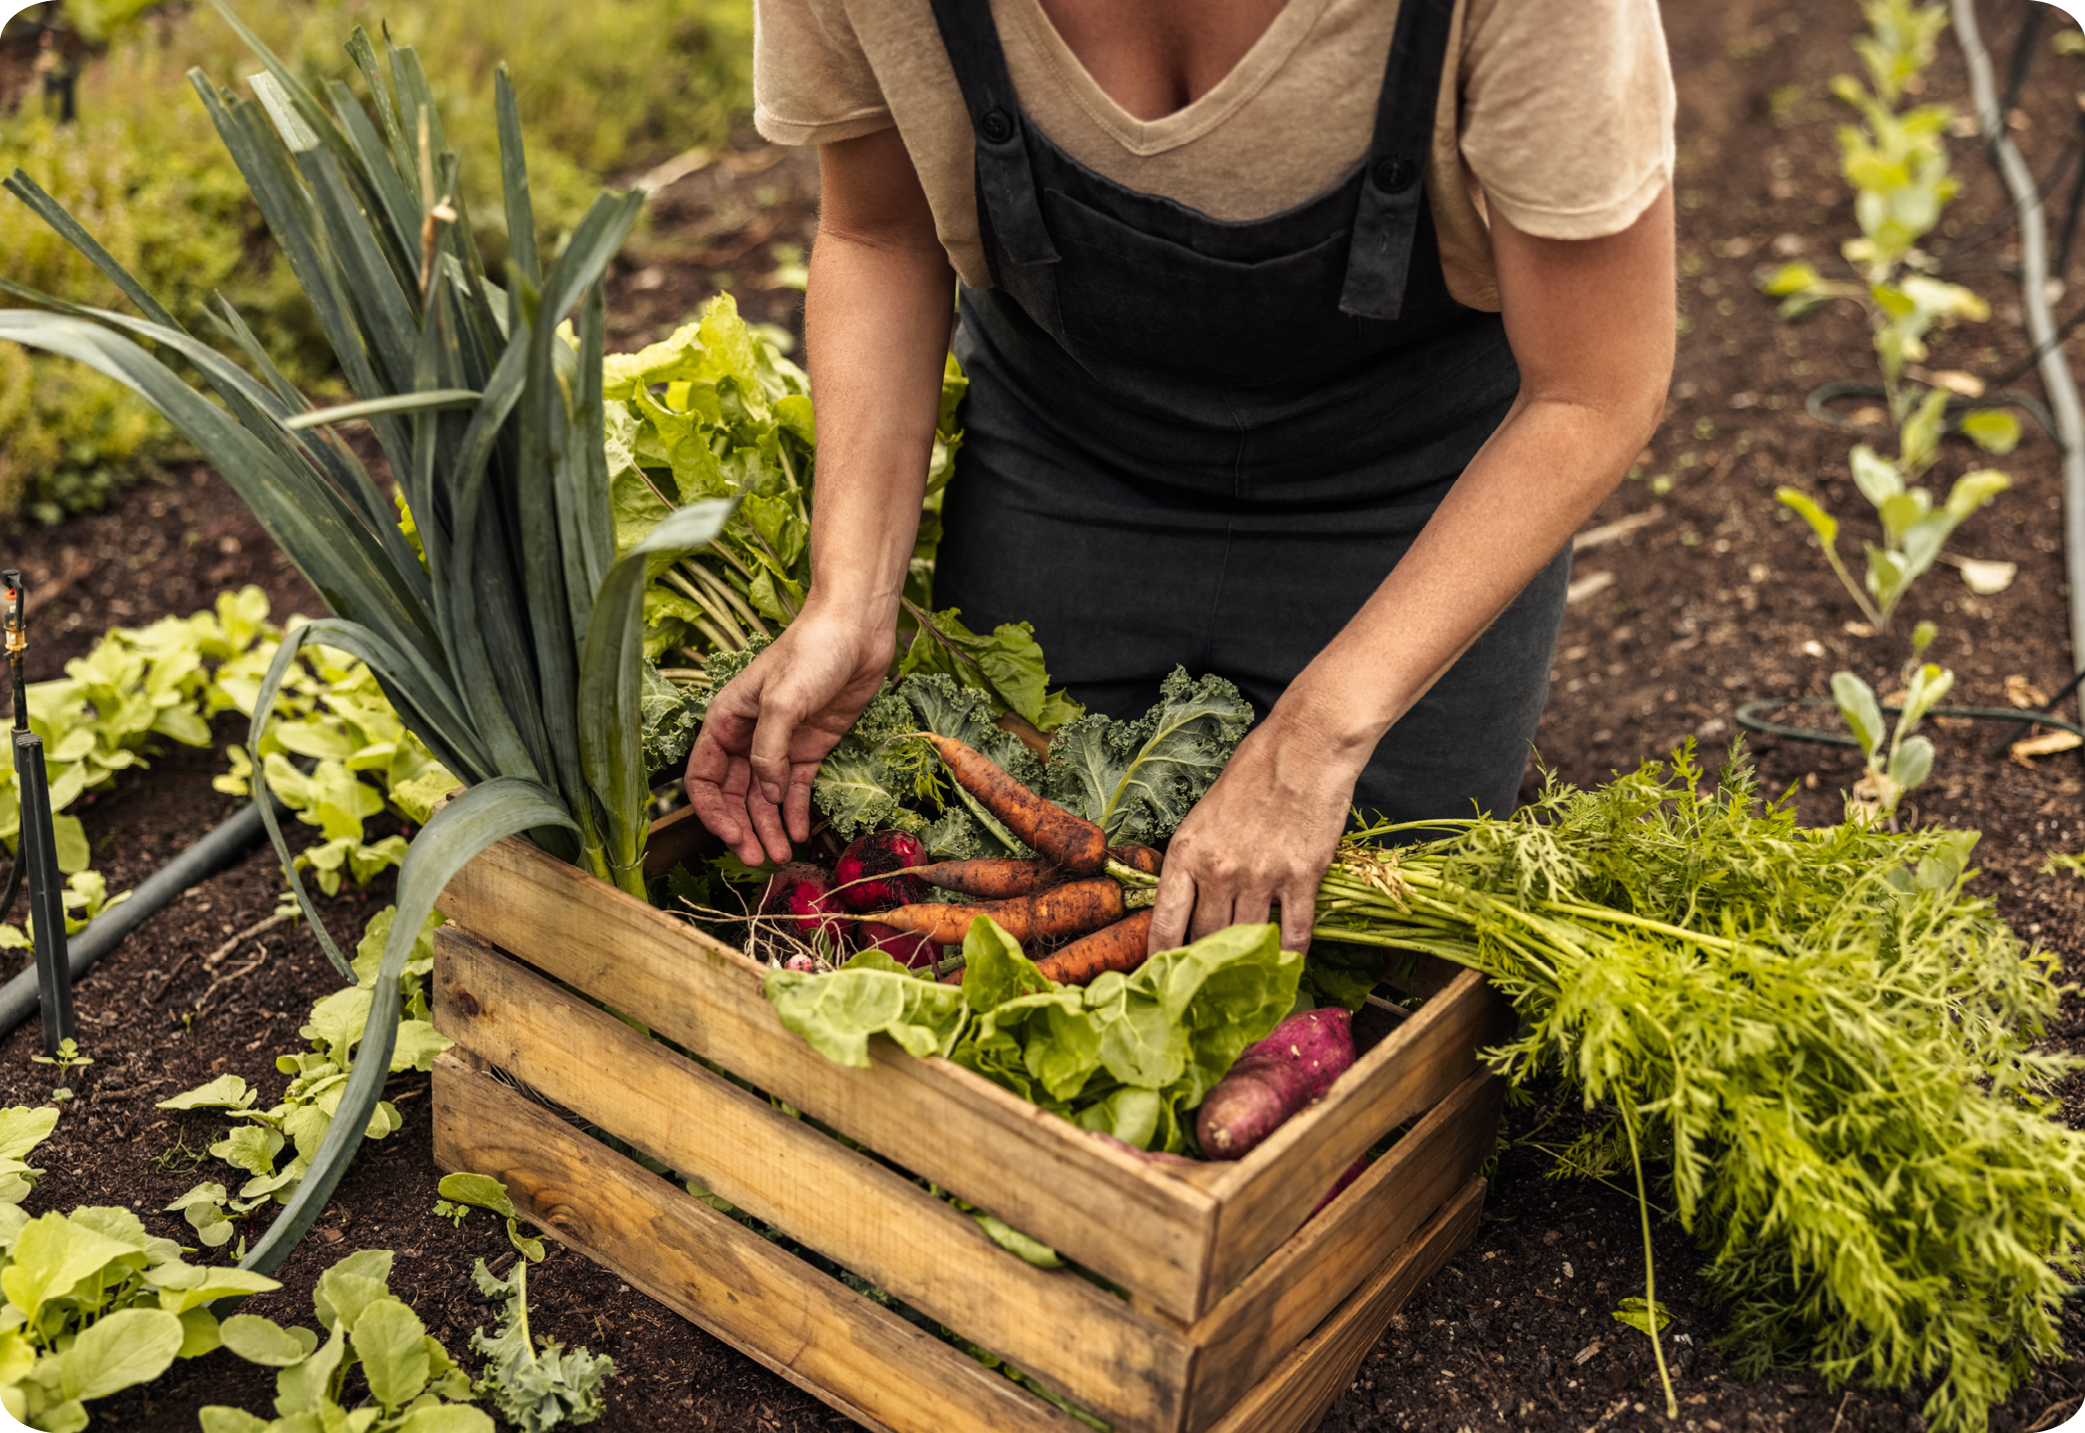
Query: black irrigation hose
point(205, 858)
point(1748, 719)
point(1824, 393)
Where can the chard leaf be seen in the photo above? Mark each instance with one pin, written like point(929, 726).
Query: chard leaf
point(1007, 666)
point(1137, 780)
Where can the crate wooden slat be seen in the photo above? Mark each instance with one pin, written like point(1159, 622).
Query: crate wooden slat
point(857, 1212)
point(858, 1357)
point(1162, 1238)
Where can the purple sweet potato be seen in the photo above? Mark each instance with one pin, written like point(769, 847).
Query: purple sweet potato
point(1273, 1079)
point(1339, 1187)
point(887, 855)
point(803, 893)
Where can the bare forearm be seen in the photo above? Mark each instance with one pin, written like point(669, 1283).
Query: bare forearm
point(1545, 470)
point(1592, 325)
point(877, 319)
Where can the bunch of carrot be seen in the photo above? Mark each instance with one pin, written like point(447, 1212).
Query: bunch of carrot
point(1077, 886)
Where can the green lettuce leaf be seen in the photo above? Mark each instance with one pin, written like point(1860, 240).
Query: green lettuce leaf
point(1137, 780)
point(1128, 1055)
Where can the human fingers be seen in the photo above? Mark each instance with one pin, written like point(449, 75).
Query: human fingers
point(731, 795)
point(782, 712)
point(797, 809)
point(1171, 909)
point(767, 822)
point(1299, 901)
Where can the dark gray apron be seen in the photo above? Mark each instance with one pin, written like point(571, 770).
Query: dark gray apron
point(1192, 442)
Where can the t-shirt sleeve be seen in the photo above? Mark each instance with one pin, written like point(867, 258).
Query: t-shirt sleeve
point(811, 82)
point(1568, 112)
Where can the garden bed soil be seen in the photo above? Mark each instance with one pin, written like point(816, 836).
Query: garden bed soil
point(1712, 602)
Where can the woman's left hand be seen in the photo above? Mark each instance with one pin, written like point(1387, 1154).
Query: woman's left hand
point(1263, 836)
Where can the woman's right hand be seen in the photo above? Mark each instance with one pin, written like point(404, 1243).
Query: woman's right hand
point(750, 773)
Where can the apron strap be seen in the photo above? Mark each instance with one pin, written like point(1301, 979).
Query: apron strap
point(1006, 185)
point(1387, 218)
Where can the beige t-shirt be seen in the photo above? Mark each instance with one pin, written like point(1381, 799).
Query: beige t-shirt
point(1557, 112)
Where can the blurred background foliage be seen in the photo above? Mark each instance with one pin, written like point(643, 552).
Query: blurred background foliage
point(606, 88)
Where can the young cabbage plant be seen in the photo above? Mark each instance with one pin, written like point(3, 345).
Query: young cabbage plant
point(509, 642)
point(1905, 761)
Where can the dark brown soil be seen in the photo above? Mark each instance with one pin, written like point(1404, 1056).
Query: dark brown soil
point(1713, 602)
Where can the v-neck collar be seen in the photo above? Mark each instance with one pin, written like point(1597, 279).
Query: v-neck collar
point(1144, 138)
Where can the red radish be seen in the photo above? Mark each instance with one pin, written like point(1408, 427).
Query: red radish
point(805, 963)
point(1273, 1079)
point(888, 854)
point(907, 949)
point(803, 891)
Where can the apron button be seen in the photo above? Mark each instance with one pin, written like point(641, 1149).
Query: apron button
point(1390, 174)
point(997, 125)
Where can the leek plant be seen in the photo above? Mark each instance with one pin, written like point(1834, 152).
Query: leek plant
point(512, 648)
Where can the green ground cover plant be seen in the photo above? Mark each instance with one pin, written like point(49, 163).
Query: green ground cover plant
point(274, 1147)
point(138, 687)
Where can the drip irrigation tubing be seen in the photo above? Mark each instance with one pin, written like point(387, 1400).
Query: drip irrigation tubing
point(208, 856)
point(2061, 388)
point(1748, 717)
point(1824, 393)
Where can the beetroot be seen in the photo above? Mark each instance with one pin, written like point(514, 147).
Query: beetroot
point(803, 891)
point(902, 946)
point(1274, 1078)
point(887, 854)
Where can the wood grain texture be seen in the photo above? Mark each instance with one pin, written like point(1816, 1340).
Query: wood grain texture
point(1036, 1171)
point(1265, 1197)
point(1294, 1397)
point(860, 1358)
point(1130, 1369)
point(1303, 1280)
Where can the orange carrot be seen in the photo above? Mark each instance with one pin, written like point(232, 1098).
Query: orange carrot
point(1070, 909)
point(991, 878)
point(1137, 858)
point(1121, 946)
point(1059, 837)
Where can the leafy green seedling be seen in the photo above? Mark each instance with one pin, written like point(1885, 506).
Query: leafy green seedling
point(2059, 861)
point(1897, 163)
point(413, 1385)
point(94, 1305)
point(1636, 1313)
point(534, 1388)
point(67, 1058)
point(1907, 760)
point(463, 1191)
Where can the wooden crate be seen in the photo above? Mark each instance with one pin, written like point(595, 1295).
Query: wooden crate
point(1234, 1319)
